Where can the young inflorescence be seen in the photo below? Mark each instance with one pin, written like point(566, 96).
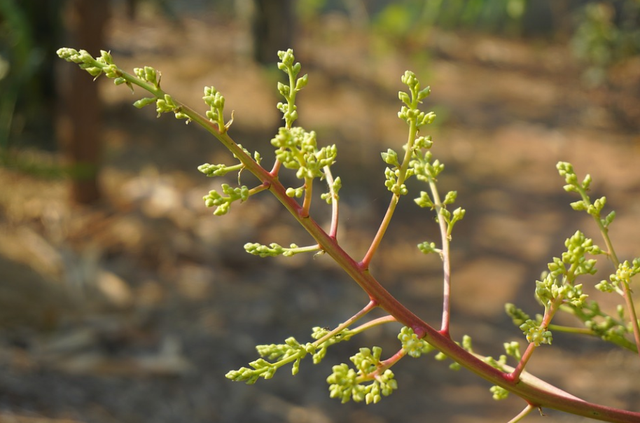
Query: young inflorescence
point(370, 377)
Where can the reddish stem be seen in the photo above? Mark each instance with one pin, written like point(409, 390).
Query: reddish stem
point(528, 387)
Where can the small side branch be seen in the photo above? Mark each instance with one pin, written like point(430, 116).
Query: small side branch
point(370, 306)
point(524, 413)
point(446, 260)
point(335, 210)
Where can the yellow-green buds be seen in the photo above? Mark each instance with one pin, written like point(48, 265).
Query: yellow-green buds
point(347, 384)
point(222, 203)
point(535, 333)
point(411, 344)
point(289, 91)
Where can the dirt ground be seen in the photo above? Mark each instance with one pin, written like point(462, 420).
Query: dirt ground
point(133, 310)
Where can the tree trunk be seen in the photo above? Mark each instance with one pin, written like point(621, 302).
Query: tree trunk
point(80, 119)
point(272, 29)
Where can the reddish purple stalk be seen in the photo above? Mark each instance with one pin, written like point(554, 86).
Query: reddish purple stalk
point(534, 391)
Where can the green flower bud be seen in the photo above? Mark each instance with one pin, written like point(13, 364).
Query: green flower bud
point(390, 158)
point(404, 97)
point(499, 393)
point(450, 197)
point(150, 75)
point(283, 89)
point(144, 102)
point(424, 93)
point(106, 57)
point(302, 82)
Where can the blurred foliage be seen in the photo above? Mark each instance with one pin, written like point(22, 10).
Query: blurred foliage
point(309, 10)
point(606, 34)
point(27, 35)
point(18, 62)
point(603, 33)
point(494, 15)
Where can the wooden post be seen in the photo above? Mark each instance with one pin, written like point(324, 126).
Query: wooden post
point(80, 114)
point(272, 29)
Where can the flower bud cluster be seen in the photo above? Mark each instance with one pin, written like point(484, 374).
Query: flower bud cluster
point(623, 275)
point(559, 281)
point(549, 289)
point(212, 170)
point(347, 384)
point(424, 168)
point(298, 150)
point(607, 327)
point(214, 99)
point(273, 249)
point(321, 349)
point(428, 248)
point(513, 349)
point(417, 95)
point(222, 203)
point(391, 182)
point(499, 393)
point(578, 245)
point(166, 104)
point(594, 209)
point(290, 352)
point(148, 74)
point(333, 193)
point(410, 112)
point(428, 171)
point(411, 344)
point(285, 353)
point(288, 65)
point(95, 67)
point(536, 333)
point(517, 315)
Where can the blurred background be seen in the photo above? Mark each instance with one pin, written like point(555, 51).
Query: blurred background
point(122, 299)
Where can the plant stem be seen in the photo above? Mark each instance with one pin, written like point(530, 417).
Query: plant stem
point(333, 232)
point(395, 198)
point(257, 189)
point(528, 387)
point(528, 409)
point(533, 390)
point(569, 329)
point(611, 252)
point(381, 231)
point(389, 362)
point(622, 342)
point(515, 375)
point(549, 312)
point(446, 260)
point(370, 306)
point(373, 323)
point(308, 192)
point(632, 311)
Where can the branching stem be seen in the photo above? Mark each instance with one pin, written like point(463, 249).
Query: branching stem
point(395, 197)
point(389, 362)
point(373, 323)
point(308, 192)
point(335, 210)
point(370, 306)
point(550, 311)
point(446, 259)
point(611, 252)
point(536, 392)
point(530, 388)
point(524, 413)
